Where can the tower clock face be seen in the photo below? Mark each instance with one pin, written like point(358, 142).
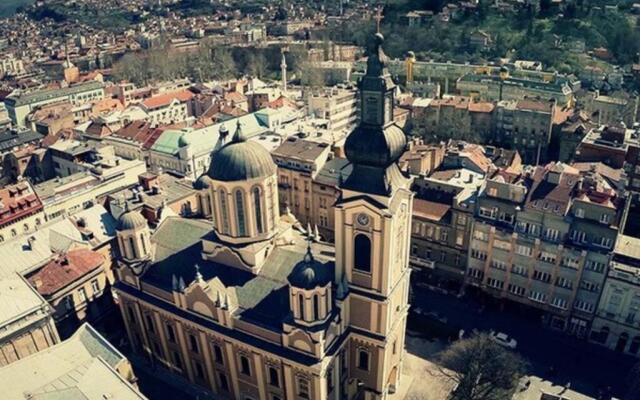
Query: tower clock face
point(363, 219)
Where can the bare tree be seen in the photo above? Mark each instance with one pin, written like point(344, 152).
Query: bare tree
point(481, 369)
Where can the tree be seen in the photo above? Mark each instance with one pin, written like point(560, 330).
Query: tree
point(481, 369)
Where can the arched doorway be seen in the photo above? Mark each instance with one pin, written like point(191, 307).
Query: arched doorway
point(635, 345)
point(622, 342)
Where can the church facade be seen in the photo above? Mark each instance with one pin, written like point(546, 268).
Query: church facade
point(246, 304)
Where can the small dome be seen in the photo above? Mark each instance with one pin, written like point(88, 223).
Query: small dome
point(131, 219)
point(202, 183)
point(309, 273)
point(241, 160)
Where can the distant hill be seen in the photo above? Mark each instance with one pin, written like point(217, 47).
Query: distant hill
point(8, 7)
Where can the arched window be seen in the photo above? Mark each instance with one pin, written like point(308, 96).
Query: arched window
point(301, 305)
point(362, 253)
point(316, 308)
point(144, 245)
point(133, 247)
point(224, 212)
point(258, 208)
point(242, 230)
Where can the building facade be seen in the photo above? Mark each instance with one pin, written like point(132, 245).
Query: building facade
point(243, 308)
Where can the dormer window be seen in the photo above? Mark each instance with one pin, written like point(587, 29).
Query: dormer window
point(579, 212)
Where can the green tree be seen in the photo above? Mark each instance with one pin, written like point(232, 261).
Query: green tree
point(481, 369)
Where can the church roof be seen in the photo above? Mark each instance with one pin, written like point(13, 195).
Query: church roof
point(262, 298)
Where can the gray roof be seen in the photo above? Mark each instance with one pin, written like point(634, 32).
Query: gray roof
point(49, 94)
point(10, 139)
point(131, 219)
point(334, 171)
point(241, 160)
point(262, 298)
point(81, 367)
point(18, 299)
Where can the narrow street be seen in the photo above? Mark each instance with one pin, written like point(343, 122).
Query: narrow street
point(588, 367)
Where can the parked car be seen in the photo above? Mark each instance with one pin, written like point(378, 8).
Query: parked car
point(503, 339)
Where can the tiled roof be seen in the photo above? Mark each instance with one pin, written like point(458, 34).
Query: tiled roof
point(64, 270)
point(430, 210)
point(18, 201)
point(164, 100)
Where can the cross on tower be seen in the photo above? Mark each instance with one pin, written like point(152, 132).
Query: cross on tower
point(378, 17)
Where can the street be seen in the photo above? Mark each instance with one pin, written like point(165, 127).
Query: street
point(551, 354)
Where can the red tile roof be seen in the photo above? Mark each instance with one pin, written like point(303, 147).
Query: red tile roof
point(164, 100)
point(64, 270)
point(17, 201)
point(429, 209)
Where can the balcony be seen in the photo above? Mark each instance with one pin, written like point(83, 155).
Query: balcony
point(421, 262)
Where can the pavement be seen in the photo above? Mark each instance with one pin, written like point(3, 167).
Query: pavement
point(552, 355)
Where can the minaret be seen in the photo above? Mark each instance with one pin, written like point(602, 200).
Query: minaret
point(283, 71)
point(373, 226)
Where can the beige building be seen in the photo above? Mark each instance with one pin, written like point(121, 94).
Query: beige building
point(85, 366)
point(617, 321)
point(26, 322)
point(241, 306)
point(337, 106)
point(299, 162)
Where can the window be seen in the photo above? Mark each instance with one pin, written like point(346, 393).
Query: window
point(444, 236)
point(595, 266)
point(605, 218)
point(579, 212)
point(303, 388)
point(363, 360)
point(242, 230)
point(95, 286)
point(589, 286)
point(579, 236)
point(570, 262)
point(584, 306)
point(193, 343)
point(316, 308)
point(362, 256)
point(459, 239)
point(519, 270)
point(224, 384)
point(564, 283)
point(177, 360)
point(199, 369)
point(524, 250)
point(217, 354)
point(475, 273)
point(244, 366)
point(538, 297)
point(552, 234)
point(273, 377)
point(330, 379)
point(132, 246)
point(495, 283)
point(301, 305)
point(82, 295)
point(68, 302)
point(144, 244)
point(480, 235)
point(258, 209)
point(515, 289)
point(559, 303)
point(502, 244)
point(171, 334)
point(462, 219)
point(224, 212)
point(499, 265)
point(479, 255)
point(150, 325)
point(604, 242)
point(547, 257)
point(488, 212)
point(541, 276)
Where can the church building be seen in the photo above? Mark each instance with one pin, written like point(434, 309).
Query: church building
point(248, 305)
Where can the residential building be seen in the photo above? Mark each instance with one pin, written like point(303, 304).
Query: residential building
point(21, 211)
point(26, 321)
point(543, 239)
point(336, 105)
point(326, 193)
point(617, 321)
point(421, 158)
point(299, 161)
point(73, 283)
point(12, 141)
point(168, 108)
point(19, 105)
point(241, 306)
point(525, 125)
point(611, 110)
point(81, 190)
point(84, 366)
point(570, 134)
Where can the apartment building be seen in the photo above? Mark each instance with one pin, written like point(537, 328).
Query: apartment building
point(19, 105)
point(299, 162)
point(525, 125)
point(336, 105)
point(617, 321)
point(21, 211)
point(543, 239)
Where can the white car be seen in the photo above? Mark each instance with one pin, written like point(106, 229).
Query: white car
point(504, 340)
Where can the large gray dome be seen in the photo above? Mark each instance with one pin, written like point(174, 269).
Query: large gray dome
point(241, 160)
point(131, 219)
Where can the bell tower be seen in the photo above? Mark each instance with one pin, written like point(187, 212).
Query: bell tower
point(372, 220)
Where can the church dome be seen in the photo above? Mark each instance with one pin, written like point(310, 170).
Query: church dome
point(241, 160)
point(375, 146)
point(202, 183)
point(309, 273)
point(131, 219)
